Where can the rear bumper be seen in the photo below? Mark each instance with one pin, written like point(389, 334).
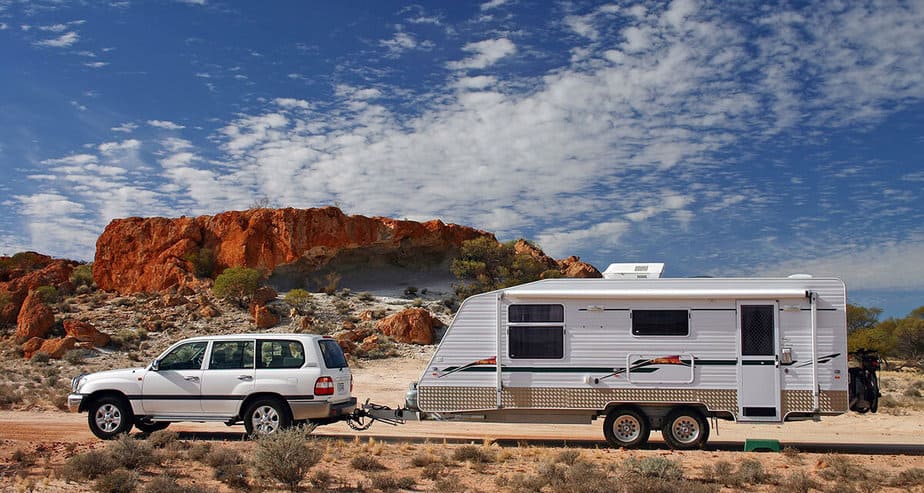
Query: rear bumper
point(311, 409)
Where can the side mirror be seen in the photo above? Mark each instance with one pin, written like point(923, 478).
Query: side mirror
point(155, 365)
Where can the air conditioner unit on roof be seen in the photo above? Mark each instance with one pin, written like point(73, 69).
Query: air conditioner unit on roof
point(634, 271)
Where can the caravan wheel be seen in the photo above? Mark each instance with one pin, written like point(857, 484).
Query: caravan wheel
point(685, 429)
point(626, 428)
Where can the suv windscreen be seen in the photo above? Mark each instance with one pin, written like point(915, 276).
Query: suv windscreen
point(332, 354)
point(280, 354)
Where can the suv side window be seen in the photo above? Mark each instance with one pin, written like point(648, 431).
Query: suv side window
point(280, 354)
point(186, 357)
point(231, 355)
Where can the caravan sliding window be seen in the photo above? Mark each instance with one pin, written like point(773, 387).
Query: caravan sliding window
point(536, 331)
point(660, 322)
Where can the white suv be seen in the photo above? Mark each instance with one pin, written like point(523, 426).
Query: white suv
point(268, 381)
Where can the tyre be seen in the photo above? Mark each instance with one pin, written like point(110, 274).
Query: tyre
point(626, 428)
point(151, 426)
point(685, 429)
point(266, 416)
point(109, 417)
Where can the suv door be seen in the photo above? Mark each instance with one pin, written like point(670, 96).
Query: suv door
point(174, 387)
point(337, 368)
point(229, 377)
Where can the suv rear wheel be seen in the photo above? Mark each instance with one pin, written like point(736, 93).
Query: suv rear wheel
point(109, 417)
point(266, 416)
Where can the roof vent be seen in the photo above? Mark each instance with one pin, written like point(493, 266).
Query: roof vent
point(634, 271)
point(800, 276)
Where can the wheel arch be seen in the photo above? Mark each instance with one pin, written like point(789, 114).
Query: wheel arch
point(99, 394)
point(250, 399)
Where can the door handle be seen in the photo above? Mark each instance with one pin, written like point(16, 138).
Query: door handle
point(245, 377)
point(191, 379)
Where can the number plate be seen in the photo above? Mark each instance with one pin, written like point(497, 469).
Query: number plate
point(340, 387)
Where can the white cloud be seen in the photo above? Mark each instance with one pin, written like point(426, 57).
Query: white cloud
point(4, 26)
point(115, 147)
point(399, 43)
point(559, 242)
point(292, 103)
point(96, 64)
point(493, 4)
point(486, 53)
point(56, 28)
point(888, 266)
point(166, 125)
point(126, 127)
point(63, 41)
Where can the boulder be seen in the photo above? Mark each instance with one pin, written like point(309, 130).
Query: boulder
point(371, 343)
point(263, 317)
point(414, 325)
point(35, 318)
point(147, 254)
point(58, 346)
point(32, 346)
point(171, 300)
point(209, 311)
point(573, 267)
point(24, 272)
point(263, 295)
point(85, 332)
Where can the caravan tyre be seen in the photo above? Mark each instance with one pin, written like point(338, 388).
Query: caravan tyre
point(685, 429)
point(626, 428)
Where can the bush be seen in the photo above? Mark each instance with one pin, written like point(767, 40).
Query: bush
point(417, 303)
point(286, 456)
point(721, 472)
point(299, 299)
point(162, 438)
point(410, 292)
point(48, 294)
point(484, 265)
point(471, 453)
point(233, 475)
point(366, 296)
point(40, 357)
point(655, 467)
point(798, 482)
point(202, 262)
point(118, 481)
point(385, 482)
point(223, 457)
point(130, 453)
point(169, 484)
point(236, 284)
point(840, 468)
point(332, 279)
point(367, 463)
point(752, 471)
point(89, 465)
point(75, 356)
point(9, 395)
point(199, 451)
point(82, 275)
point(909, 477)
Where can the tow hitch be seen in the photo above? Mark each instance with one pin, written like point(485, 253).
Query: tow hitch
point(363, 417)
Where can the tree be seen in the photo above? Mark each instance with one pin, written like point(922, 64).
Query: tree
point(237, 284)
point(860, 317)
point(203, 262)
point(485, 265)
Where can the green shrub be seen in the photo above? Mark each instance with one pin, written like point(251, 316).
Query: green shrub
point(366, 463)
point(417, 303)
point(48, 294)
point(300, 300)
point(484, 265)
point(471, 453)
point(202, 262)
point(130, 453)
point(721, 472)
point(237, 284)
point(223, 457)
point(840, 468)
point(118, 481)
point(82, 275)
point(75, 356)
point(88, 465)
point(655, 467)
point(286, 456)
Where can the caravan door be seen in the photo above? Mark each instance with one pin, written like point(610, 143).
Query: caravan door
point(758, 362)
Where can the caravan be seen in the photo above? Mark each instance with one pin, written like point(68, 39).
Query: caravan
point(642, 352)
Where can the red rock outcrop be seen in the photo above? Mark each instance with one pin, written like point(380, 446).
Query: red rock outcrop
point(414, 325)
point(25, 272)
point(149, 254)
point(85, 332)
point(54, 348)
point(568, 267)
point(35, 318)
point(263, 317)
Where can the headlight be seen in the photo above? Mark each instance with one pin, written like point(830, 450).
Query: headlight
point(77, 381)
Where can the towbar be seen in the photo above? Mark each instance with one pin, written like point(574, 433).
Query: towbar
point(363, 417)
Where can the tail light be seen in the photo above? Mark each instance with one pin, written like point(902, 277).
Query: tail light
point(324, 386)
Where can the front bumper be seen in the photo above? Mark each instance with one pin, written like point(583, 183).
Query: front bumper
point(74, 401)
point(310, 409)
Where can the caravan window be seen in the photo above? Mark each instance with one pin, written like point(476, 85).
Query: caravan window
point(537, 342)
point(536, 313)
point(536, 331)
point(660, 322)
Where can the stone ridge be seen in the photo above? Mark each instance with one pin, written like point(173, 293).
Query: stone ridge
point(149, 254)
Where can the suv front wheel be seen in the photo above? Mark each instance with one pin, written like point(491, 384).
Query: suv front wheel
point(265, 417)
point(109, 417)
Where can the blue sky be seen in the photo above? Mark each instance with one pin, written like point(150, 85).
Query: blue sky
point(742, 139)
